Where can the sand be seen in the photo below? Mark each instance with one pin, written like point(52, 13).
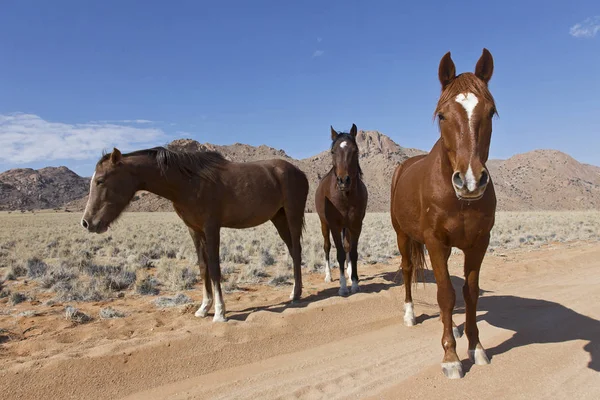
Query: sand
point(538, 319)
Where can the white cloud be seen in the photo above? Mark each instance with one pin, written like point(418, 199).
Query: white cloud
point(586, 29)
point(318, 53)
point(27, 138)
point(124, 121)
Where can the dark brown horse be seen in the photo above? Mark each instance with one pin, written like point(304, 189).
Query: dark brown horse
point(341, 202)
point(446, 199)
point(208, 193)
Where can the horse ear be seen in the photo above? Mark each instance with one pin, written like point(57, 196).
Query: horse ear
point(447, 70)
point(115, 156)
point(353, 131)
point(485, 66)
point(334, 134)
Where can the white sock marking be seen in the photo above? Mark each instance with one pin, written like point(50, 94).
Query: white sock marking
point(349, 267)
point(327, 271)
point(409, 314)
point(90, 194)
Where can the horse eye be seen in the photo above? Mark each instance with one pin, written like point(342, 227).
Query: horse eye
point(441, 116)
point(492, 112)
point(99, 181)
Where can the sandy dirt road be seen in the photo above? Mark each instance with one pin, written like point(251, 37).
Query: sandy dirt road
point(538, 318)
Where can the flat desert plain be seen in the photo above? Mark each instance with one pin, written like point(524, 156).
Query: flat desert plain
point(112, 316)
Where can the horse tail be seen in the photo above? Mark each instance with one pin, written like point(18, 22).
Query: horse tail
point(417, 259)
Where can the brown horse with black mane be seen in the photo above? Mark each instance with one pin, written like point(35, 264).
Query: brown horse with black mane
point(446, 199)
point(341, 202)
point(208, 193)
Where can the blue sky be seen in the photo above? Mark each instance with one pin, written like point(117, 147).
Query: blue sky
point(78, 77)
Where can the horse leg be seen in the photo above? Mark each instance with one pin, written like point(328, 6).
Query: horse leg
point(341, 257)
point(353, 261)
point(207, 294)
point(214, 271)
point(473, 260)
point(407, 272)
point(347, 242)
point(439, 254)
point(326, 249)
point(281, 223)
point(295, 220)
point(455, 330)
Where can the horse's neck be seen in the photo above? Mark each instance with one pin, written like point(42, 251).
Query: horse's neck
point(439, 159)
point(152, 179)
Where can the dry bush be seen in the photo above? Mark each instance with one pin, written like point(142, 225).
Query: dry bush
point(147, 286)
point(76, 316)
point(16, 298)
point(176, 277)
point(55, 254)
point(179, 299)
point(109, 313)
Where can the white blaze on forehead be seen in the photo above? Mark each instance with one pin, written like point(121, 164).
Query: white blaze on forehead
point(470, 178)
point(469, 102)
point(92, 180)
point(343, 144)
point(90, 194)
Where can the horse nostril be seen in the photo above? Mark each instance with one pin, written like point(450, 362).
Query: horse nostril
point(484, 178)
point(85, 224)
point(347, 180)
point(457, 180)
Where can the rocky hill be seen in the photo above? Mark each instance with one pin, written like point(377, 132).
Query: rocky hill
point(537, 180)
point(545, 180)
point(51, 187)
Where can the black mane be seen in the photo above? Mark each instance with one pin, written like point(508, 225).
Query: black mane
point(204, 164)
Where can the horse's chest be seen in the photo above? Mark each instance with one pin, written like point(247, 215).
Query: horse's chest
point(464, 229)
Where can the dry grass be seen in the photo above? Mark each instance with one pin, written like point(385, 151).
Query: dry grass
point(151, 253)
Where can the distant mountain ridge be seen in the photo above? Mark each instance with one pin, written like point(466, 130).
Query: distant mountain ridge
point(537, 180)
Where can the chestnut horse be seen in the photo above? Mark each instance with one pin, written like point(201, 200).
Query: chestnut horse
point(208, 193)
point(341, 202)
point(446, 199)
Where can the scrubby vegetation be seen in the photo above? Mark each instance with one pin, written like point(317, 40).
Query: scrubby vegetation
point(150, 254)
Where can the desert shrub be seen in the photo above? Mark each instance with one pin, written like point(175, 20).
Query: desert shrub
point(16, 269)
point(36, 267)
point(179, 299)
point(281, 278)
point(54, 274)
point(119, 280)
point(92, 290)
point(147, 286)
point(176, 277)
point(109, 313)
point(266, 258)
point(252, 273)
point(16, 298)
point(76, 316)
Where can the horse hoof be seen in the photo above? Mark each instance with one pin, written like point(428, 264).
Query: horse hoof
point(219, 318)
point(343, 291)
point(456, 333)
point(478, 356)
point(355, 288)
point(201, 313)
point(452, 370)
point(410, 321)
